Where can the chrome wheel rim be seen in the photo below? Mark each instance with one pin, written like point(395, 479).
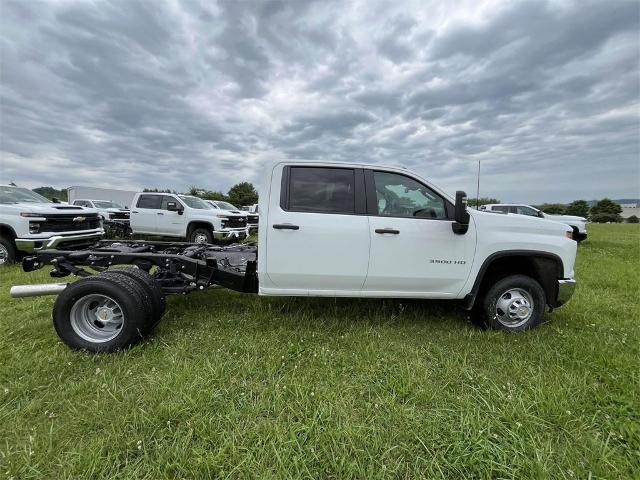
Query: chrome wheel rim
point(96, 318)
point(514, 307)
point(200, 238)
point(4, 254)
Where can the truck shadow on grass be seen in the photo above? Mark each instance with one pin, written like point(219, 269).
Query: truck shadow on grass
point(232, 310)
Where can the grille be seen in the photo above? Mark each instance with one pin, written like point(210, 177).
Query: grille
point(252, 219)
point(234, 222)
point(119, 215)
point(66, 223)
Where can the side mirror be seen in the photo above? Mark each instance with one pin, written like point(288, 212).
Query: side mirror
point(174, 207)
point(461, 216)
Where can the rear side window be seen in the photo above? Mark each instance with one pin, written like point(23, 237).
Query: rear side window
point(500, 208)
point(149, 201)
point(322, 190)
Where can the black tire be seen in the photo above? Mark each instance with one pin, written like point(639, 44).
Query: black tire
point(151, 287)
point(198, 233)
point(513, 293)
point(123, 291)
point(7, 251)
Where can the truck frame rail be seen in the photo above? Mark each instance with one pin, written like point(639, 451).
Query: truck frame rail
point(179, 268)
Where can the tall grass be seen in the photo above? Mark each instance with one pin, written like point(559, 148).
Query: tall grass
point(238, 386)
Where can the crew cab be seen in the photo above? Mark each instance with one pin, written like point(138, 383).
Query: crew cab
point(107, 209)
point(183, 216)
point(229, 209)
point(29, 221)
point(328, 230)
point(577, 224)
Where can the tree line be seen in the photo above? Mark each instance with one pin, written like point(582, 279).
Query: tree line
point(243, 193)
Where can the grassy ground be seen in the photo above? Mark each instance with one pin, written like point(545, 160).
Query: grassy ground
point(237, 386)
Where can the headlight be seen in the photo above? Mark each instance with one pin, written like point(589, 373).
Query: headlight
point(34, 227)
point(223, 217)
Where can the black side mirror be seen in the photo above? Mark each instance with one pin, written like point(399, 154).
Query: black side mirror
point(174, 207)
point(55, 200)
point(460, 215)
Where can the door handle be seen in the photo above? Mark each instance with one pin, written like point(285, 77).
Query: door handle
point(160, 213)
point(134, 211)
point(285, 226)
point(388, 230)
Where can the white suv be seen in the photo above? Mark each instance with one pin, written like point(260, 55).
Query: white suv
point(578, 224)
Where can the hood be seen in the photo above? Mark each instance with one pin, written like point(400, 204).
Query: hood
point(568, 218)
point(46, 208)
point(520, 223)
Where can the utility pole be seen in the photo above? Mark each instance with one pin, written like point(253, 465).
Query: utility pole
point(478, 189)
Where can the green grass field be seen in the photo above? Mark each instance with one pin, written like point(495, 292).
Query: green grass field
point(235, 386)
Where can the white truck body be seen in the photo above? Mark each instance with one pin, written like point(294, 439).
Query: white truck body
point(194, 219)
point(229, 209)
point(338, 254)
point(578, 224)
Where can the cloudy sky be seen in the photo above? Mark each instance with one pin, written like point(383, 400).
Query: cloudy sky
point(170, 94)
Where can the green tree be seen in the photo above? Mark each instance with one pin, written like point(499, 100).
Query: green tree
point(552, 208)
point(51, 193)
point(606, 218)
point(579, 208)
point(243, 194)
point(476, 202)
point(212, 195)
point(608, 206)
point(633, 219)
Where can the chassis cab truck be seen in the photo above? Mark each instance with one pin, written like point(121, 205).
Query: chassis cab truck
point(330, 230)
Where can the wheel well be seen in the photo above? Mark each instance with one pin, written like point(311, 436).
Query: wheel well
point(193, 225)
point(546, 269)
point(7, 232)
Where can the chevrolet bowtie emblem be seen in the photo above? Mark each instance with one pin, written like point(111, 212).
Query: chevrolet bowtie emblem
point(79, 219)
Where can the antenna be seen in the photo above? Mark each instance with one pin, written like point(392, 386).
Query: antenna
point(478, 189)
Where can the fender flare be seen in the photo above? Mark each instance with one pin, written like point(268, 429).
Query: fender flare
point(550, 285)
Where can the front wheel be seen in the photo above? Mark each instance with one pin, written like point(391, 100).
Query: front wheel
point(515, 303)
point(201, 235)
point(7, 251)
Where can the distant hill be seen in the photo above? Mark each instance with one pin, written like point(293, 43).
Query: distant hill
point(617, 200)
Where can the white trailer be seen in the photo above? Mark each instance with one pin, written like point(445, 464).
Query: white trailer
point(121, 197)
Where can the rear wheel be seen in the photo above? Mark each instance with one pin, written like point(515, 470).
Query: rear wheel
point(7, 251)
point(201, 235)
point(101, 314)
point(514, 303)
point(150, 287)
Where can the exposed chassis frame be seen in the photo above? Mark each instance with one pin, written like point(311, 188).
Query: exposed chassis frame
point(179, 267)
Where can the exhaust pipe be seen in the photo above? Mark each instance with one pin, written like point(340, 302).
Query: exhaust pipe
point(21, 291)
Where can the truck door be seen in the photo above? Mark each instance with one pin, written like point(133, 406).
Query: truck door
point(144, 215)
point(317, 232)
point(414, 251)
point(171, 223)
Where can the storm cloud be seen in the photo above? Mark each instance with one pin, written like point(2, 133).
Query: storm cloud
point(171, 94)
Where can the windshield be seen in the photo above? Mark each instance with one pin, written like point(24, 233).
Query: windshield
point(225, 206)
point(20, 195)
point(195, 202)
point(106, 204)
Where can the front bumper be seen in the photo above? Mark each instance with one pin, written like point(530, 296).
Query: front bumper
point(229, 234)
point(566, 287)
point(30, 245)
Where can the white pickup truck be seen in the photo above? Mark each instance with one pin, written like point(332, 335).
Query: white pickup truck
point(227, 208)
point(184, 216)
point(29, 221)
point(577, 224)
point(329, 230)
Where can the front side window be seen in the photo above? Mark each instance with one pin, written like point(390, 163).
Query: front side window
point(322, 190)
point(401, 196)
point(526, 211)
point(166, 199)
point(149, 201)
